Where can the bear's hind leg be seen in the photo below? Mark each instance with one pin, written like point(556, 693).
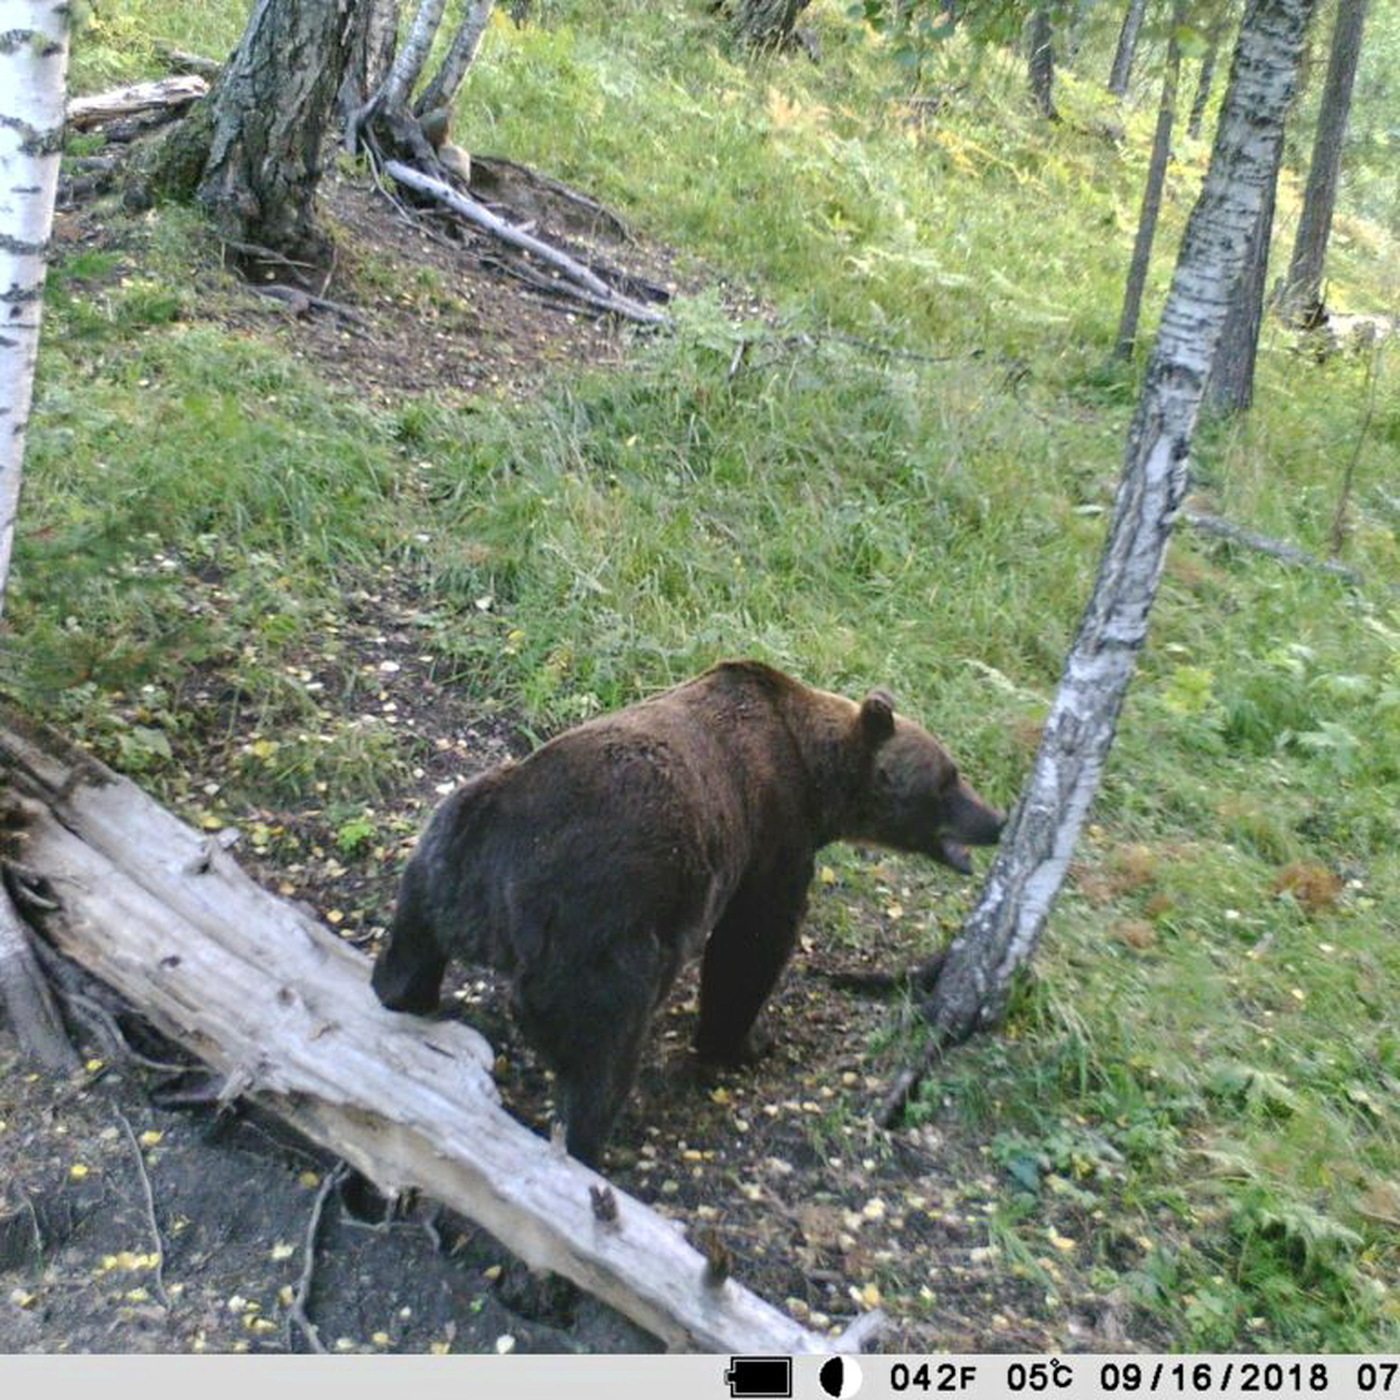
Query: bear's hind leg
point(589, 1022)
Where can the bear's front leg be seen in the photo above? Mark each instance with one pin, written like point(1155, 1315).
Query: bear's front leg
point(746, 954)
point(409, 969)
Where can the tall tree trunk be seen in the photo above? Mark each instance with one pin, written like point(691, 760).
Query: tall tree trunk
point(1041, 70)
point(372, 45)
point(767, 24)
point(269, 117)
point(1123, 55)
point(1002, 931)
point(461, 54)
point(1303, 294)
point(1152, 191)
point(33, 69)
point(1230, 386)
point(1206, 78)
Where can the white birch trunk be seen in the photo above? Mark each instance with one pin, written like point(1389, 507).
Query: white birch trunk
point(1002, 931)
point(466, 44)
point(33, 73)
point(393, 96)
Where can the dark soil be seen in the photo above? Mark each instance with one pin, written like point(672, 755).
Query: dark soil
point(779, 1166)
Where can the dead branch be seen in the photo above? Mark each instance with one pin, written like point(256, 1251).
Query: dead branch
point(479, 215)
point(296, 1313)
point(169, 95)
point(188, 62)
point(498, 171)
point(1265, 544)
point(150, 1209)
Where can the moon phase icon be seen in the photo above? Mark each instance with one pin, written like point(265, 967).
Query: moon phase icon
point(840, 1376)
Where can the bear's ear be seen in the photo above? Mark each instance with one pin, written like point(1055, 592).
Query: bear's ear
point(877, 716)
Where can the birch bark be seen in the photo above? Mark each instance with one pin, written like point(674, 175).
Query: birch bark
point(1004, 928)
point(461, 54)
point(33, 72)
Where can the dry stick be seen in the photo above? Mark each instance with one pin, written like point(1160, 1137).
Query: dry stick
point(1336, 538)
point(482, 217)
point(1278, 549)
point(297, 300)
point(600, 212)
point(297, 1312)
point(906, 1085)
point(150, 1210)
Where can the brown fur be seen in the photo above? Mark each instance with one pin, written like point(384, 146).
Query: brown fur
point(684, 825)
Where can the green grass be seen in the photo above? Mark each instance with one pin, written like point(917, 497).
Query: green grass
point(1196, 1091)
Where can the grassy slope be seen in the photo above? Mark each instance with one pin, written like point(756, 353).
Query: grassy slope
point(1196, 1095)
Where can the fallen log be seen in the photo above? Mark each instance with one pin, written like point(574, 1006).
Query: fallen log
point(164, 94)
point(282, 1008)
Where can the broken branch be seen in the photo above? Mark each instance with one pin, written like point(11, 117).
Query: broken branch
point(479, 215)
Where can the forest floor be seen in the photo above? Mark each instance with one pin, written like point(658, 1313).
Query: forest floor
point(821, 1212)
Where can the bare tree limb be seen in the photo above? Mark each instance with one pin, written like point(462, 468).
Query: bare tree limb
point(482, 217)
point(150, 1197)
point(1265, 544)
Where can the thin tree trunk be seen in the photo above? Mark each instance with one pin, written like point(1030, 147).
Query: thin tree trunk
point(1303, 295)
point(767, 24)
point(388, 113)
point(372, 47)
point(1206, 79)
point(1152, 191)
point(1004, 928)
point(466, 44)
point(1230, 387)
point(33, 70)
point(393, 95)
point(1042, 62)
point(1123, 55)
point(269, 118)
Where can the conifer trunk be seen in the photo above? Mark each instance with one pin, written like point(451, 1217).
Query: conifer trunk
point(1152, 192)
point(1042, 62)
point(1303, 297)
point(767, 24)
point(1126, 49)
point(1206, 78)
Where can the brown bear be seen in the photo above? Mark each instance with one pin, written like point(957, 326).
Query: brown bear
point(683, 826)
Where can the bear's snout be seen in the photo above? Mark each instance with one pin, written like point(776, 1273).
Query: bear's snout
point(968, 820)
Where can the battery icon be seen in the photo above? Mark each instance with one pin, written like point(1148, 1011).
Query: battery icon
point(759, 1377)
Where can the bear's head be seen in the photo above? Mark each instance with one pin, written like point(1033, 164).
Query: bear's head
point(913, 798)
